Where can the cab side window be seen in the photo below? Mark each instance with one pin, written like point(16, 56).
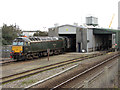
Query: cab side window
point(26, 43)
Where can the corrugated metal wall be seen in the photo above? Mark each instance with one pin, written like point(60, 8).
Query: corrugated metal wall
point(90, 40)
point(118, 39)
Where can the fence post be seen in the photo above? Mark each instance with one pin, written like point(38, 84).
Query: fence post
point(48, 51)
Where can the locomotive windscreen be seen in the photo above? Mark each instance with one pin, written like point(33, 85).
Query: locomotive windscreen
point(20, 41)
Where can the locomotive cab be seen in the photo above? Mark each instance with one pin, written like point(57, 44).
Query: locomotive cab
point(18, 47)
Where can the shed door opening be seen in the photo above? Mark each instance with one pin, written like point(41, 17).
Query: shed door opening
point(79, 47)
point(72, 39)
point(104, 41)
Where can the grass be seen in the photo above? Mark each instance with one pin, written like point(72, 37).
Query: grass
point(28, 81)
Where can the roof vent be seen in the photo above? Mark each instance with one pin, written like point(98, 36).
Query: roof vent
point(92, 21)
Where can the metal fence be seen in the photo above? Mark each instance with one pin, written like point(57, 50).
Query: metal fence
point(6, 51)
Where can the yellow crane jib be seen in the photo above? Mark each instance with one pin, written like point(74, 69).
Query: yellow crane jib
point(111, 20)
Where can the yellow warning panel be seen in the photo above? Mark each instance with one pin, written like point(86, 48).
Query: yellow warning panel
point(17, 49)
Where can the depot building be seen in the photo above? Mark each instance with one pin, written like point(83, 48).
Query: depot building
point(88, 38)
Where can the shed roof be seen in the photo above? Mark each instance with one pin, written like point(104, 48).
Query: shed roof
point(69, 25)
point(104, 31)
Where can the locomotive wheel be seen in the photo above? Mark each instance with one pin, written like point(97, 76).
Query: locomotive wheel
point(44, 53)
point(39, 55)
point(35, 56)
point(56, 52)
point(29, 57)
point(51, 52)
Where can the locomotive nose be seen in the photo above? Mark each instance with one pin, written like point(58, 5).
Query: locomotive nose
point(17, 49)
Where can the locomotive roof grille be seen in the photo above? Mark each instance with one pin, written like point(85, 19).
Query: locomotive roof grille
point(38, 39)
point(43, 38)
point(22, 38)
point(32, 39)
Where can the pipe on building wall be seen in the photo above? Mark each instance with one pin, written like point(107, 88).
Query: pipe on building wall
point(119, 15)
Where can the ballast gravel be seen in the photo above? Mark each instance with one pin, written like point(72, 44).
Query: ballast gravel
point(21, 83)
point(24, 82)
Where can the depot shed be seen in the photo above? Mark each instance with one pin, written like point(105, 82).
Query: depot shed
point(103, 39)
point(88, 39)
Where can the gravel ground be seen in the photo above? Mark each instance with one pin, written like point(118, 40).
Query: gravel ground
point(31, 64)
point(65, 76)
point(34, 78)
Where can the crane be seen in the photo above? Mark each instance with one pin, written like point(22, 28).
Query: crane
point(111, 20)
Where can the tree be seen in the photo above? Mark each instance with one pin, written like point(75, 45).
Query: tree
point(40, 33)
point(9, 33)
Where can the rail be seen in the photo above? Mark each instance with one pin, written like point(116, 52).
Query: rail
point(44, 68)
point(97, 75)
point(88, 70)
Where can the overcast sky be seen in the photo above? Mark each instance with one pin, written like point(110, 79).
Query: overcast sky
point(37, 14)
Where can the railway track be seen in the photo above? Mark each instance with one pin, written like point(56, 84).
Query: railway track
point(44, 68)
point(6, 61)
point(60, 83)
point(9, 61)
point(68, 81)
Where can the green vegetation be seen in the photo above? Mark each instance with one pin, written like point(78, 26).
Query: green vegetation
point(9, 33)
point(29, 82)
point(40, 33)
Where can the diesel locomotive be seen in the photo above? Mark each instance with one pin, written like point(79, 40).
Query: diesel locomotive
point(32, 47)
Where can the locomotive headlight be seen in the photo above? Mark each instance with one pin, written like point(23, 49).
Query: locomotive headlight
point(10, 53)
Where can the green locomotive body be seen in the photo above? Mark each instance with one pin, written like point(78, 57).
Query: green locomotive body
point(28, 48)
